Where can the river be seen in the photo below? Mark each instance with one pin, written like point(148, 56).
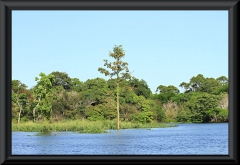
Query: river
point(186, 139)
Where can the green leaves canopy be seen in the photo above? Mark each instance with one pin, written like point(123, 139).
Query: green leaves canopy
point(117, 66)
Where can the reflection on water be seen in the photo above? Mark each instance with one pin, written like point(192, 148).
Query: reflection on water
point(186, 139)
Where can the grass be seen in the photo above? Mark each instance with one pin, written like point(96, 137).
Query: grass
point(84, 126)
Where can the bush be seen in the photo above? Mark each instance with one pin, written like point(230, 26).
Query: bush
point(217, 115)
point(183, 115)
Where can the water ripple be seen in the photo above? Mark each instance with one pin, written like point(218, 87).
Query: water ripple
point(186, 139)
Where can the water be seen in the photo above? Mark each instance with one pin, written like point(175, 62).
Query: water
point(186, 139)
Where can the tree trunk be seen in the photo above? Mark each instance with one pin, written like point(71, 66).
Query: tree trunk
point(20, 111)
point(118, 106)
point(34, 110)
point(215, 117)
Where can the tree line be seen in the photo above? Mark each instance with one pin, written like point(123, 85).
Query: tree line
point(56, 97)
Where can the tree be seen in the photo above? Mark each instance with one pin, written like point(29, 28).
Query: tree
point(43, 94)
point(140, 87)
point(119, 69)
point(167, 89)
point(186, 86)
point(21, 98)
point(62, 79)
point(95, 90)
point(217, 115)
point(76, 84)
point(17, 86)
point(146, 106)
point(196, 82)
point(223, 80)
point(200, 103)
point(209, 85)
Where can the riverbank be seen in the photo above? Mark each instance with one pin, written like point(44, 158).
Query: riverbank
point(84, 126)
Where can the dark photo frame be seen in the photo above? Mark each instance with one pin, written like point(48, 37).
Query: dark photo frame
point(6, 7)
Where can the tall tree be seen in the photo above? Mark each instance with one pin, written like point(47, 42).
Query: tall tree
point(43, 95)
point(20, 97)
point(117, 68)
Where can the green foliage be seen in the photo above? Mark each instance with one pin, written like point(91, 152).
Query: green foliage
point(223, 80)
point(181, 98)
point(62, 79)
point(131, 97)
point(143, 117)
point(140, 87)
point(209, 85)
point(95, 90)
point(184, 115)
point(167, 89)
point(186, 86)
point(94, 113)
point(221, 89)
point(205, 100)
point(18, 86)
point(199, 103)
point(216, 115)
point(117, 68)
point(223, 115)
point(43, 94)
point(77, 85)
point(163, 98)
point(159, 113)
point(21, 100)
point(146, 114)
point(196, 82)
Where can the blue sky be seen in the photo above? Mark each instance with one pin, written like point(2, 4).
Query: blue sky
point(162, 47)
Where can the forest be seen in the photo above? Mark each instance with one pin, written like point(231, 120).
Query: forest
point(122, 97)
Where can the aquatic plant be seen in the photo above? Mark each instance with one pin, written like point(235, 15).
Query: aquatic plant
point(84, 126)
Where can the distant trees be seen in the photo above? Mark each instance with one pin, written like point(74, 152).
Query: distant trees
point(96, 99)
point(56, 96)
point(21, 98)
point(194, 83)
point(202, 101)
point(210, 85)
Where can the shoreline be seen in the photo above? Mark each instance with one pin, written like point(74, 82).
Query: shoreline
point(85, 126)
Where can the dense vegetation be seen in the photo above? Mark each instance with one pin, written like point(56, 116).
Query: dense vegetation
point(58, 97)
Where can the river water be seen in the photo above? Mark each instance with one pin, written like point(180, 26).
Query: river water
point(186, 139)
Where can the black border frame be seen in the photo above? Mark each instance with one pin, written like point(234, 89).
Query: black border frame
point(6, 7)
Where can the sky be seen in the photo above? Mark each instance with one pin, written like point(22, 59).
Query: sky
point(162, 47)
